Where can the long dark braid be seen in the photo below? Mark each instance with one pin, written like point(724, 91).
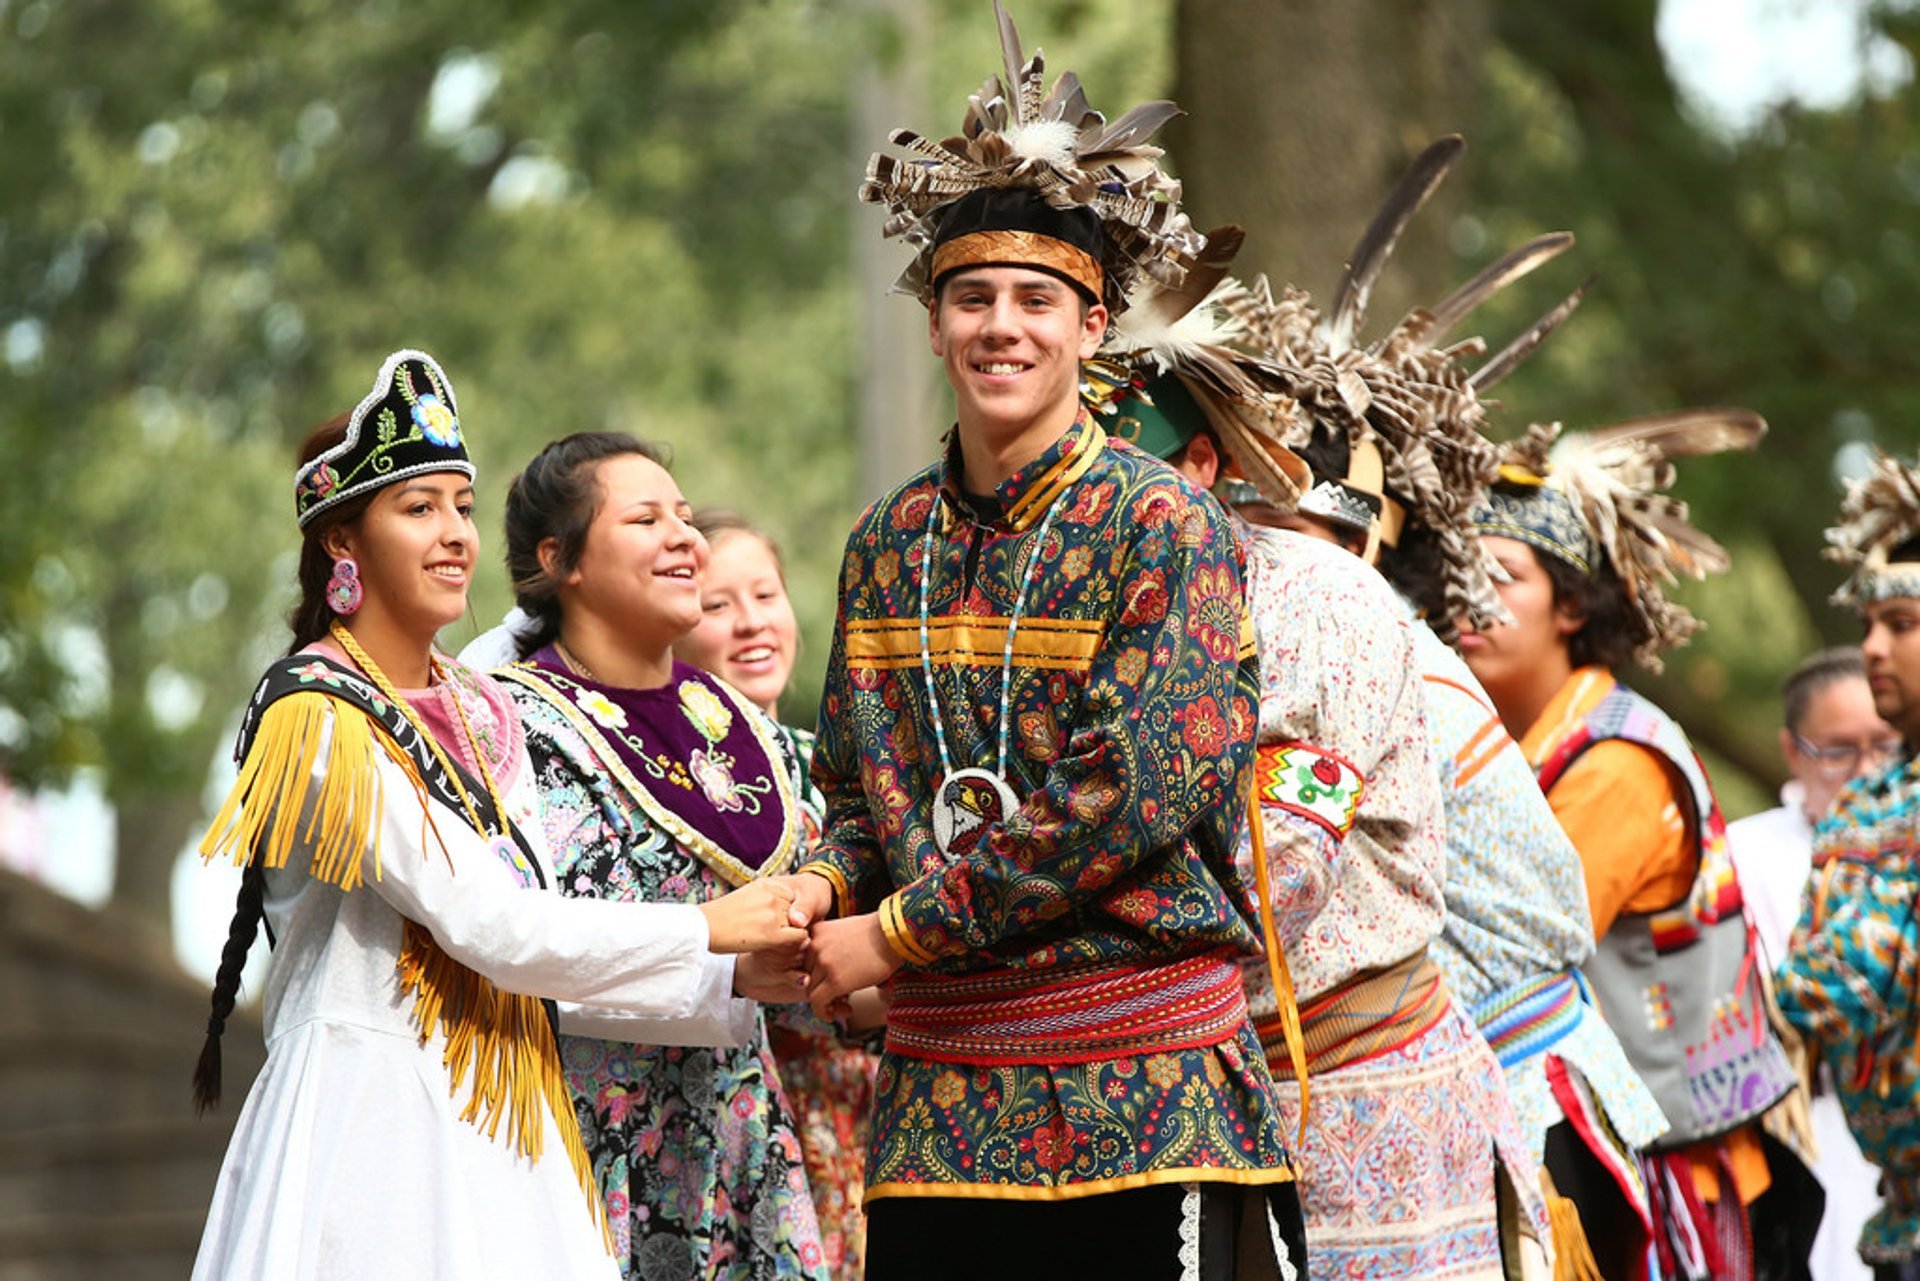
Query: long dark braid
point(248, 907)
point(309, 622)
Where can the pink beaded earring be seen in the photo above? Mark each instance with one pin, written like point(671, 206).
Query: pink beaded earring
point(343, 589)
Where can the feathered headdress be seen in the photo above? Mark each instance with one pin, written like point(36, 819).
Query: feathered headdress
point(1176, 344)
point(1017, 136)
point(1406, 409)
point(1593, 500)
point(1880, 512)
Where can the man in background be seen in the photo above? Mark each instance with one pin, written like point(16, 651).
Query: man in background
point(1832, 736)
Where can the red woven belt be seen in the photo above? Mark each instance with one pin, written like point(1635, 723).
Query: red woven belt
point(1082, 1015)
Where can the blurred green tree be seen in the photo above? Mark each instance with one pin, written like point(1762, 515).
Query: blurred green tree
point(219, 216)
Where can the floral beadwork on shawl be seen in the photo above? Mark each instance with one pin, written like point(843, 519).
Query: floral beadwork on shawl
point(707, 767)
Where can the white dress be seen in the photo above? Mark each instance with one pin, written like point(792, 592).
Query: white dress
point(350, 1159)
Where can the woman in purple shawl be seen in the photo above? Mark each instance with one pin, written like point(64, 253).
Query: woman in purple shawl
point(658, 782)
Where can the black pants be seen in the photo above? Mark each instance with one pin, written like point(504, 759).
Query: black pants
point(1133, 1234)
point(1786, 1217)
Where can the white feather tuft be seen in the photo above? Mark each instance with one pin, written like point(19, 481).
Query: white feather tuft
point(1207, 325)
point(1053, 142)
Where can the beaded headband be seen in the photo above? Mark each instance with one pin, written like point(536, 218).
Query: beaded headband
point(408, 425)
point(1542, 518)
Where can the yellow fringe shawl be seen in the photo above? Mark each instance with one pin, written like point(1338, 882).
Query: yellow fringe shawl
point(502, 1040)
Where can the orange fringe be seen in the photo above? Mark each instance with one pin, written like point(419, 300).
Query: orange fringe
point(1572, 1255)
point(504, 1041)
point(275, 781)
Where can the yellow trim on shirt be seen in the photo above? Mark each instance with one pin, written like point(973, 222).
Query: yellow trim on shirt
point(1093, 1187)
point(842, 893)
point(972, 640)
point(900, 934)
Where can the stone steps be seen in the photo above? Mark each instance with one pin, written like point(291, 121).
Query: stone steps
point(104, 1170)
point(74, 1245)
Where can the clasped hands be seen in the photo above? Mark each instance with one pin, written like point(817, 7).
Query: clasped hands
point(790, 949)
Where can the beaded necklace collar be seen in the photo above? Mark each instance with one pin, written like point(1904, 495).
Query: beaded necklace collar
point(970, 800)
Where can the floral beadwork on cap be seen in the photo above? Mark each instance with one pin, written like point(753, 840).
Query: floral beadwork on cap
point(415, 429)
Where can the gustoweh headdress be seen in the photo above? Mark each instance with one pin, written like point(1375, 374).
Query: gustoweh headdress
point(1880, 512)
point(1593, 501)
point(407, 425)
point(1036, 178)
point(1407, 409)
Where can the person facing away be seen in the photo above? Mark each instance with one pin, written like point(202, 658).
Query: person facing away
point(1350, 795)
point(412, 1117)
point(1851, 967)
point(1516, 925)
point(658, 781)
point(1034, 747)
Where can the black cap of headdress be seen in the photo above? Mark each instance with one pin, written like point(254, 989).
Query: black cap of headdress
point(408, 425)
point(1016, 227)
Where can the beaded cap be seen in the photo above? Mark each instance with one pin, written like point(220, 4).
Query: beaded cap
point(1593, 499)
point(407, 425)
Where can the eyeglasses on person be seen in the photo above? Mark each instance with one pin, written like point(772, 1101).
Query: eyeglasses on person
point(1844, 760)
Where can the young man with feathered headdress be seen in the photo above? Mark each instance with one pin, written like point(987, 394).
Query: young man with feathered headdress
point(1034, 746)
point(1388, 463)
point(1852, 972)
point(1588, 543)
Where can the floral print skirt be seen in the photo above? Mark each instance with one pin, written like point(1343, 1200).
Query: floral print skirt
point(830, 1085)
point(696, 1152)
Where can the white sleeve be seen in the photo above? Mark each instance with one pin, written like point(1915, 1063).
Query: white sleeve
point(499, 645)
point(648, 959)
point(719, 1019)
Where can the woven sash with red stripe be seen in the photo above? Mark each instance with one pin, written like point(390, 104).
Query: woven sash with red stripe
point(1372, 1015)
point(1079, 1016)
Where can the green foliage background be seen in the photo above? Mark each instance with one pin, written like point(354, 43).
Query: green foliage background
point(217, 218)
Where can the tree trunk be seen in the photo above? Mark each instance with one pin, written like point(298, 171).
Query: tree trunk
point(1301, 115)
point(896, 401)
point(149, 833)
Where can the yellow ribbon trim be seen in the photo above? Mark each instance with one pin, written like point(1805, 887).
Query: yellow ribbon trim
point(893, 923)
point(1277, 966)
point(1266, 1177)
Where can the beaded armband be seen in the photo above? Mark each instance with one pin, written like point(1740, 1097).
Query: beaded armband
point(1311, 782)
